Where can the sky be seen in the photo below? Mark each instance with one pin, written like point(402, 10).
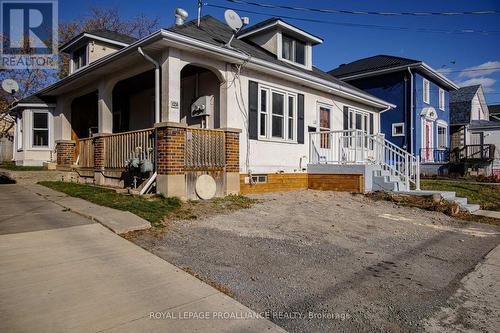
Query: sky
point(453, 53)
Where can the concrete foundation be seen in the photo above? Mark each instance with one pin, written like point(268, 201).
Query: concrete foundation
point(171, 185)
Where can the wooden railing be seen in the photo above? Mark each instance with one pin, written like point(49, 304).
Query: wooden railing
point(485, 152)
point(85, 158)
point(205, 149)
point(120, 147)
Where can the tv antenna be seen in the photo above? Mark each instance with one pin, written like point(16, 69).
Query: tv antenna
point(235, 22)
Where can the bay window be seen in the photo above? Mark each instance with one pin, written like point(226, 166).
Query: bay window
point(277, 114)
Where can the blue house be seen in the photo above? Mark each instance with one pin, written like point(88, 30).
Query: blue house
point(420, 122)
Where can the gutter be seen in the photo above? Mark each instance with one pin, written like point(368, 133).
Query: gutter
point(157, 83)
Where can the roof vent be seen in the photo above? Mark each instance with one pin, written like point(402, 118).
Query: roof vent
point(180, 16)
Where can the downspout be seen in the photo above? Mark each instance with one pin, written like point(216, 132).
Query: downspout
point(157, 83)
point(411, 111)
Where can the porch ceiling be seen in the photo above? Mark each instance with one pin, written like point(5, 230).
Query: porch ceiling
point(128, 61)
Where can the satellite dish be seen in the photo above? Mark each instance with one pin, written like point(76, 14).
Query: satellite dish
point(10, 86)
point(233, 20)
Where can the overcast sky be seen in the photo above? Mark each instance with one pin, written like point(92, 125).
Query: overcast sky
point(346, 42)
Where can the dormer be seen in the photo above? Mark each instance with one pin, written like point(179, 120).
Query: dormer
point(289, 43)
point(88, 47)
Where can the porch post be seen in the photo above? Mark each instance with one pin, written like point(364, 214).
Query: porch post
point(171, 86)
point(105, 107)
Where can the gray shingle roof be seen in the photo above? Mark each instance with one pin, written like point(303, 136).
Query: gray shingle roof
point(35, 99)
point(217, 33)
point(461, 103)
point(261, 24)
point(484, 124)
point(108, 34)
point(494, 109)
point(371, 64)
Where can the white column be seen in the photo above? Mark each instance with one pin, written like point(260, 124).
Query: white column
point(171, 85)
point(105, 107)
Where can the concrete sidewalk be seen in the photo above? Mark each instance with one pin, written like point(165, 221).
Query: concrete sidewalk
point(475, 306)
point(118, 221)
point(87, 279)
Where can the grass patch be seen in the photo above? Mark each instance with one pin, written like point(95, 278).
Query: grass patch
point(153, 209)
point(487, 196)
point(158, 210)
point(13, 167)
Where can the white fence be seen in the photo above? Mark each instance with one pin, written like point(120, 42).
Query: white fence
point(358, 147)
point(6, 150)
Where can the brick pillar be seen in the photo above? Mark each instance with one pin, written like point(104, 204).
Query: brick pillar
point(65, 150)
point(171, 143)
point(99, 153)
point(232, 174)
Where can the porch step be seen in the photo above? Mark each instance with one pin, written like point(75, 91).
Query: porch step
point(449, 196)
point(387, 183)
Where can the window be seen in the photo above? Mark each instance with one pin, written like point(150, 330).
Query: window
point(324, 126)
point(264, 93)
point(293, 50)
point(79, 58)
point(398, 129)
point(19, 131)
point(442, 136)
point(441, 99)
point(40, 129)
point(426, 91)
point(277, 114)
point(259, 179)
point(277, 128)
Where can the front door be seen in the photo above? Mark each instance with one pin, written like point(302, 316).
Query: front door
point(428, 141)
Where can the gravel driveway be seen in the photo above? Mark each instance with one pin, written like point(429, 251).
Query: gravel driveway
point(321, 261)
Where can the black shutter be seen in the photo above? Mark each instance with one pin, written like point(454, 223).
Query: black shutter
point(300, 118)
point(253, 110)
point(346, 118)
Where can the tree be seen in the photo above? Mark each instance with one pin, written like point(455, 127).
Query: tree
point(32, 80)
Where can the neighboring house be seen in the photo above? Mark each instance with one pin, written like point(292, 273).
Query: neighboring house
point(180, 98)
point(473, 136)
point(420, 121)
point(494, 112)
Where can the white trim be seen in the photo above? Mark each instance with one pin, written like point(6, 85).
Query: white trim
point(426, 91)
point(49, 130)
point(394, 129)
point(278, 70)
point(422, 65)
point(286, 26)
point(285, 93)
point(91, 36)
point(442, 93)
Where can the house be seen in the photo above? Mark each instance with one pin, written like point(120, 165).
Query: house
point(494, 112)
point(181, 104)
point(419, 123)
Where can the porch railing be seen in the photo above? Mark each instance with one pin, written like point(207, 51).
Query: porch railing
point(358, 147)
point(205, 149)
point(85, 157)
point(484, 152)
point(437, 155)
point(121, 147)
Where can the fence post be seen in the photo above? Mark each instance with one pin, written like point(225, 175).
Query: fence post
point(407, 172)
point(417, 176)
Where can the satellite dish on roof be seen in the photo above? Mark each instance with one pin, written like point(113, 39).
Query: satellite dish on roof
point(233, 20)
point(10, 86)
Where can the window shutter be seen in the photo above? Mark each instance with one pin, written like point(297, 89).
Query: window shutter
point(300, 118)
point(346, 118)
point(371, 123)
point(253, 109)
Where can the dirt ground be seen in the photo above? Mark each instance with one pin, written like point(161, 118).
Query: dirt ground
point(327, 261)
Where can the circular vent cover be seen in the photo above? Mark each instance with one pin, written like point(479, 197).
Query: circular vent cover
point(205, 187)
